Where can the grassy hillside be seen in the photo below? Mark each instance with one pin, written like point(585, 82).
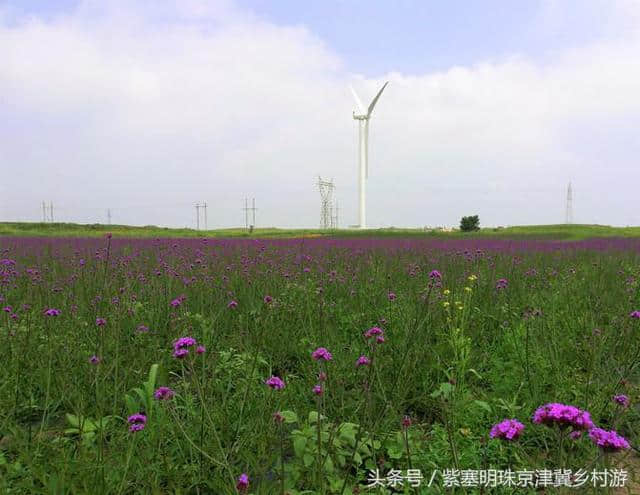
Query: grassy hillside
point(567, 232)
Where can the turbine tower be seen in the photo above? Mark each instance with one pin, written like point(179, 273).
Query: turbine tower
point(362, 117)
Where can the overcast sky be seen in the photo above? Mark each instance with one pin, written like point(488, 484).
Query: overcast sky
point(146, 107)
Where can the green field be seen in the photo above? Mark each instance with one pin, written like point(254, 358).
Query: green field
point(560, 232)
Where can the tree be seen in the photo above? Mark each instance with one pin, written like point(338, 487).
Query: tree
point(469, 224)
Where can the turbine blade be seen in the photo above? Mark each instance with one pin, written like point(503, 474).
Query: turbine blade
point(375, 100)
point(357, 99)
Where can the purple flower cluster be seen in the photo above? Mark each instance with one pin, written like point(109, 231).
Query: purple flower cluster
point(321, 354)
point(243, 483)
point(563, 415)
point(136, 422)
point(52, 312)
point(635, 314)
point(621, 400)
point(502, 284)
point(376, 332)
point(609, 441)
point(163, 393)
point(275, 383)
point(178, 301)
point(181, 347)
point(363, 361)
point(509, 429)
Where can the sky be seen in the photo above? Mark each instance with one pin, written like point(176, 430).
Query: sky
point(146, 107)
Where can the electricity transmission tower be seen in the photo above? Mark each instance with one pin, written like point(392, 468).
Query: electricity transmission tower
point(569, 212)
point(326, 203)
point(246, 213)
point(334, 218)
point(48, 218)
point(204, 207)
point(253, 212)
point(108, 217)
point(246, 209)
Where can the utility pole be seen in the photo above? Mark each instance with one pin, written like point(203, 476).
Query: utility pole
point(51, 210)
point(197, 216)
point(204, 205)
point(108, 217)
point(246, 213)
point(44, 212)
point(253, 211)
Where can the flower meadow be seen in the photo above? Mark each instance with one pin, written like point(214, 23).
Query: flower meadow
point(298, 366)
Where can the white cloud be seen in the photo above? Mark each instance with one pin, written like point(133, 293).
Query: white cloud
point(168, 103)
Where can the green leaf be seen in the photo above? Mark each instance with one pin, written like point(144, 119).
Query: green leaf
point(289, 416)
point(307, 459)
point(151, 382)
point(328, 465)
point(394, 453)
point(313, 417)
point(73, 420)
point(299, 445)
point(483, 405)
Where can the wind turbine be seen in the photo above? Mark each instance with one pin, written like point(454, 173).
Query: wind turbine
point(363, 142)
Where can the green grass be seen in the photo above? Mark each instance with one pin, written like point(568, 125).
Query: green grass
point(557, 232)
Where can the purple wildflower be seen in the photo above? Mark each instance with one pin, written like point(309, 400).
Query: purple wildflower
point(502, 284)
point(101, 322)
point(277, 417)
point(143, 328)
point(243, 483)
point(183, 342)
point(435, 274)
point(317, 390)
point(275, 383)
point(509, 429)
point(392, 296)
point(52, 312)
point(621, 400)
point(609, 441)
point(201, 349)
point(163, 393)
point(372, 332)
point(94, 359)
point(267, 299)
point(563, 415)
point(321, 353)
point(635, 314)
point(7, 309)
point(180, 353)
point(232, 304)
point(136, 422)
point(363, 361)
point(406, 422)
